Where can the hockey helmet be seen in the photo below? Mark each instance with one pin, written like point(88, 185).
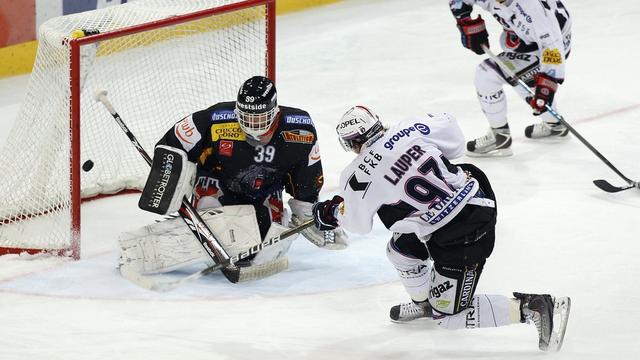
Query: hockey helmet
point(359, 126)
point(256, 106)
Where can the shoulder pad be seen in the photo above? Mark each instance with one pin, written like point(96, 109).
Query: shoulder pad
point(295, 116)
point(223, 112)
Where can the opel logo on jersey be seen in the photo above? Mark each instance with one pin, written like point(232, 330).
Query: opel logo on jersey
point(421, 128)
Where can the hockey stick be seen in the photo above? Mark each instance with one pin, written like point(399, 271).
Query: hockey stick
point(190, 216)
point(157, 284)
point(602, 184)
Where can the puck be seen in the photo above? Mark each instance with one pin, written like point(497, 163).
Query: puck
point(87, 166)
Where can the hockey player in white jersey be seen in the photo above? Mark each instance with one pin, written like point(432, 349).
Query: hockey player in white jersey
point(536, 41)
point(443, 217)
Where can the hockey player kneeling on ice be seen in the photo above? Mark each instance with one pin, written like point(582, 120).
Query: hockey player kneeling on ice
point(536, 41)
point(443, 216)
point(244, 152)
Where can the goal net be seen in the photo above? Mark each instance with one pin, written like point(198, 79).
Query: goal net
point(159, 60)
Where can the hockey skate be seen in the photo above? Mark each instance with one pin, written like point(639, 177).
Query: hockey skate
point(410, 311)
point(546, 130)
point(497, 142)
point(549, 314)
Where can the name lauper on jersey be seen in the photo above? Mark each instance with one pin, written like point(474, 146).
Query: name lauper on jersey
point(406, 178)
point(529, 25)
point(237, 172)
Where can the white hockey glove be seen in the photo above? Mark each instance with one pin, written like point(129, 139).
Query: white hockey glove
point(331, 239)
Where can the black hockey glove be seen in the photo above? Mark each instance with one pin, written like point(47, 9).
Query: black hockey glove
point(473, 34)
point(324, 213)
point(546, 87)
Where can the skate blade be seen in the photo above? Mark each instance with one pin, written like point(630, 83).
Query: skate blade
point(551, 138)
point(415, 320)
point(493, 153)
point(561, 311)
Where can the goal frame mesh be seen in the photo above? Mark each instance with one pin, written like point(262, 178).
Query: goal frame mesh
point(74, 47)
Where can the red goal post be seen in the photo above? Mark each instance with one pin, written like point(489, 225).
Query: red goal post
point(157, 68)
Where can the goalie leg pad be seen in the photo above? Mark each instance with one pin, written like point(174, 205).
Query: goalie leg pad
point(169, 245)
point(275, 251)
point(172, 177)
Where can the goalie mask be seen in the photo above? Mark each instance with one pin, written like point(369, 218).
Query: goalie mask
point(359, 126)
point(256, 106)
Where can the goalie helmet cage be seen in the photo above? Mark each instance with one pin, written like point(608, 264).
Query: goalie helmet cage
point(160, 60)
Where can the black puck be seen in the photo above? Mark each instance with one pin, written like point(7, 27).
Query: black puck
point(87, 166)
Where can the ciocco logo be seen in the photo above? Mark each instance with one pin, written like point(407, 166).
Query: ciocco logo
point(419, 127)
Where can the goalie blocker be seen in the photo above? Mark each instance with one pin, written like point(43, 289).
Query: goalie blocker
point(171, 178)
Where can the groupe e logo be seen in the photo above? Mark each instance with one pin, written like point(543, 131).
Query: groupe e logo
point(419, 127)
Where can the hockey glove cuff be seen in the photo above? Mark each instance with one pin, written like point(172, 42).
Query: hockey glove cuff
point(324, 213)
point(473, 34)
point(546, 87)
point(329, 239)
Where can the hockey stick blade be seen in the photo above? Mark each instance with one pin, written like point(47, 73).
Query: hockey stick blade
point(606, 186)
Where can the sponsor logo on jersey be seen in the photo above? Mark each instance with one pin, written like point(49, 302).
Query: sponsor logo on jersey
point(402, 165)
point(524, 14)
point(223, 115)
point(438, 290)
point(314, 155)
point(439, 211)
point(470, 318)
point(298, 136)
point(206, 186)
point(206, 192)
point(298, 120)
point(551, 57)
point(442, 304)
point(406, 132)
point(227, 131)
point(225, 148)
point(516, 56)
point(467, 288)
point(529, 76)
point(187, 133)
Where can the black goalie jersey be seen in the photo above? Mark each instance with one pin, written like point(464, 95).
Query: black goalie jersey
point(232, 170)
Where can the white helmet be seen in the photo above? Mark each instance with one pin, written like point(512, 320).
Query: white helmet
point(359, 126)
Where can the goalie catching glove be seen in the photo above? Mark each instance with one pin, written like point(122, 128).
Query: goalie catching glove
point(331, 239)
point(171, 178)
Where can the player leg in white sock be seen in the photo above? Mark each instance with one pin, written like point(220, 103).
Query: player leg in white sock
point(497, 142)
point(413, 271)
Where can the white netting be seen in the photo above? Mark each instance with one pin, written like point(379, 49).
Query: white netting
point(154, 78)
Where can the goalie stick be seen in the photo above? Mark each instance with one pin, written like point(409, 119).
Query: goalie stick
point(602, 184)
point(157, 283)
point(190, 216)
